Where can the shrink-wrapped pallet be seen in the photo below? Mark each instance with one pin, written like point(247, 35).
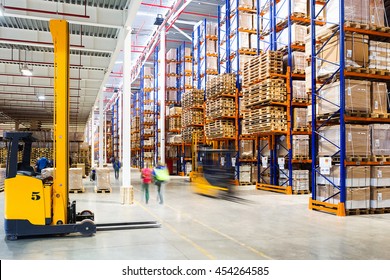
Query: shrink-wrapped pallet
point(246, 149)
point(245, 173)
point(380, 140)
point(380, 197)
point(380, 176)
point(243, 40)
point(245, 21)
point(299, 62)
point(299, 91)
point(357, 97)
point(171, 55)
point(379, 98)
point(212, 63)
point(300, 119)
point(379, 54)
point(357, 141)
point(377, 13)
point(212, 28)
point(356, 198)
point(354, 11)
point(356, 176)
point(254, 174)
point(298, 7)
point(356, 53)
point(76, 179)
point(300, 146)
point(211, 46)
point(103, 181)
point(300, 180)
point(298, 35)
point(242, 3)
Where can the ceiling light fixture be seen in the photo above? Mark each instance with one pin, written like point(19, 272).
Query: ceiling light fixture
point(40, 96)
point(25, 70)
point(159, 19)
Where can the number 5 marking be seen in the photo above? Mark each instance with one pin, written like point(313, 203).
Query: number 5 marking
point(35, 196)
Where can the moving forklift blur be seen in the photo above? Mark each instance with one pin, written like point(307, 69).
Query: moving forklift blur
point(36, 206)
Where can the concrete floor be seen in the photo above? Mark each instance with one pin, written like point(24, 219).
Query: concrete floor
point(194, 227)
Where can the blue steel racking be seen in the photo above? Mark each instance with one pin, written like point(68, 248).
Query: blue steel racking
point(135, 132)
point(141, 100)
point(340, 117)
point(156, 106)
point(115, 128)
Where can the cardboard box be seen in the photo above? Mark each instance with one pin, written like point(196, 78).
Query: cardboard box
point(354, 10)
point(300, 118)
point(254, 174)
point(171, 55)
point(379, 98)
point(380, 139)
point(243, 40)
point(246, 148)
point(357, 138)
point(297, 6)
point(380, 197)
point(356, 53)
point(377, 13)
point(356, 176)
point(76, 179)
point(211, 46)
point(298, 62)
point(301, 180)
point(356, 198)
point(357, 97)
point(103, 178)
point(380, 176)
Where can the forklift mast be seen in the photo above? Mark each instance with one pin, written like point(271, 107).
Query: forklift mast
point(60, 33)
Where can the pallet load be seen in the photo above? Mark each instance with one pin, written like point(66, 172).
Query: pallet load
point(268, 90)
point(301, 181)
point(76, 180)
point(246, 149)
point(379, 55)
point(380, 188)
point(357, 138)
point(379, 100)
point(2, 178)
point(265, 119)
point(357, 187)
point(300, 147)
point(221, 104)
point(192, 119)
point(300, 119)
point(245, 174)
point(103, 182)
point(380, 142)
point(357, 98)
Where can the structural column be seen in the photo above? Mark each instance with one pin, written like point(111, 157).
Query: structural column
point(126, 124)
point(161, 93)
point(101, 129)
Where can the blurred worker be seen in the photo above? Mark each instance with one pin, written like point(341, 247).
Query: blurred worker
point(41, 164)
point(117, 166)
point(160, 175)
point(146, 175)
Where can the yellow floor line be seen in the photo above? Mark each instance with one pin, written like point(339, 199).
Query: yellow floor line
point(173, 229)
point(225, 235)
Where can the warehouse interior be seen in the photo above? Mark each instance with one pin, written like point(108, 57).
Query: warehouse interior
point(271, 117)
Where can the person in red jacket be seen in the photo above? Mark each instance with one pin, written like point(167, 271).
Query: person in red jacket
point(146, 175)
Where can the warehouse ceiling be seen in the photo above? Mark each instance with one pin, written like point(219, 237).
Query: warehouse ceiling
point(97, 29)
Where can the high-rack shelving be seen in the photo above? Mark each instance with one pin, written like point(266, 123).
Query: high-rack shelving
point(135, 130)
point(115, 128)
point(348, 131)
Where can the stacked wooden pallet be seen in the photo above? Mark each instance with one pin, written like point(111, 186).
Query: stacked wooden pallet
point(220, 129)
point(224, 84)
point(262, 67)
point(265, 92)
point(189, 132)
point(221, 107)
point(174, 124)
point(265, 119)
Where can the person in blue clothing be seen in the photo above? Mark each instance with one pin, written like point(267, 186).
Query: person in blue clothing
point(41, 164)
point(160, 176)
point(117, 166)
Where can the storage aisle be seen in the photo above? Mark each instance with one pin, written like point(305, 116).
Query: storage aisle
point(270, 226)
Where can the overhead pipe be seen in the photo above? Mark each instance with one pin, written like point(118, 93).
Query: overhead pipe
point(47, 12)
point(37, 62)
point(33, 86)
point(33, 76)
point(184, 12)
point(35, 42)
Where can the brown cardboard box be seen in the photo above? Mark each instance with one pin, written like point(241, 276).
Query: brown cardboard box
point(76, 179)
point(380, 197)
point(246, 148)
point(379, 98)
point(377, 12)
point(299, 90)
point(357, 97)
point(300, 118)
point(356, 53)
point(380, 139)
point(356, 176)
point(298, 62)
point(380, 176)
point(254, 174)
point(357, 138)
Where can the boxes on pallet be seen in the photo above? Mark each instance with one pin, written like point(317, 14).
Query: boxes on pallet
point(148, 71)
point(298, 35)
point(211, 64)
point(103, 181)
point(299, 62)
point(171, 81)
point(298, 8)
point(357, 97)
point(299, 91)
point(76, 179)
point(300, 119)
point(380, 176)
point(379, 98)
point(354, 10)
point(356, 198)
point(300, 146)
point(380, 197)
point(300, 180)
point(242, 3)
point(243, 40)
point(281, 147)
point(377, 13)
point(380, 139)
point(211, 46)
point(357, 138)
point(175, 111)
point(379, 54)
point(254, 173)
point(245, 173)
point(356, 53)
point(245, 21)
point(246, 149)
point(212, 28)
point(356, 176)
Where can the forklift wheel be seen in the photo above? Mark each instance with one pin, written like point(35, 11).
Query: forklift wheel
point(87, 227)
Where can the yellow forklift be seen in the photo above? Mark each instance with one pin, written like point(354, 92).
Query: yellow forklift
point(36, 206)
point(213, 173)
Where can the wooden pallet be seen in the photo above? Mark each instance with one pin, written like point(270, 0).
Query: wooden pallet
point(357, 25)
point(1, 189)
point(77, 190)
point(355, 158)
point(359, 211)
point(101, 190)
point(301, 129)
point(301, 192)
point(380, 115)
point(384, 210)
point(381, 158)
point(246, 183)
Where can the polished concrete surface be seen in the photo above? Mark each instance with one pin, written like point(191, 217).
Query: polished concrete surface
point(195, 227)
